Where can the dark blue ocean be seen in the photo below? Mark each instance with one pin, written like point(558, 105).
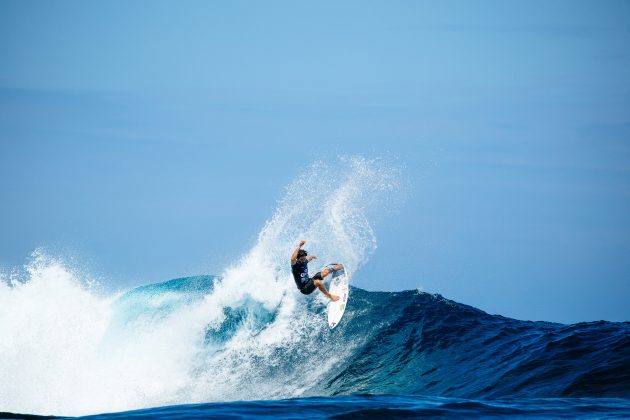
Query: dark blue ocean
point(380, 406)
point(400, 355)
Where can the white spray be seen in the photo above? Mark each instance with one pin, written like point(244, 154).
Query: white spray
point(61, 353)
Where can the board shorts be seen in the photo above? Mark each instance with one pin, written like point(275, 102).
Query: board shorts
point(310, 287)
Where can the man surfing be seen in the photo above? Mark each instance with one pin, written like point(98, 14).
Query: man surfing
point(306, 284)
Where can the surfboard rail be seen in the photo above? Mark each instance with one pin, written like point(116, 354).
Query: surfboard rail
point(339, 285)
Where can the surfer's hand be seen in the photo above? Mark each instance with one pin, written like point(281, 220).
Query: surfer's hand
point(334, 298)
point(302, 242)
point(313, 257)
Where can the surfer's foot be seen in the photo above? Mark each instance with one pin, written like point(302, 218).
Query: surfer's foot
point(334, 298)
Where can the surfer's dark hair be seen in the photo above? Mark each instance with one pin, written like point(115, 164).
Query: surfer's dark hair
point(302, 253)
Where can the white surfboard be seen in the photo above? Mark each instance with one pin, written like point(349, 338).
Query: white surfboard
point(338, 286)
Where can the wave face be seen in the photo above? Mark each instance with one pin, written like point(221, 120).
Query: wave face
point(412, 343)
point(69, 348)
point(425, 344)
point(153, 352)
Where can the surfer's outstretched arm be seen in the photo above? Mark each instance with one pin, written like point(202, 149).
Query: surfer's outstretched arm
point(294, 256)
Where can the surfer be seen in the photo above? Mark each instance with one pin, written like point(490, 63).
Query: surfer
point(306, 284)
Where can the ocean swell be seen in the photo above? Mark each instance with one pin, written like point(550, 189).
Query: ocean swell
point(69, 348)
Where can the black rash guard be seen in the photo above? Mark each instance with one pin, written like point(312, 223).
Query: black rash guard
point(300, 274)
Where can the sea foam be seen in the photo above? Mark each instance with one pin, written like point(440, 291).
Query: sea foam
point(68, 348)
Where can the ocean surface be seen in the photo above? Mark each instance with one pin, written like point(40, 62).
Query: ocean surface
point(247, 344)
point(404, 354)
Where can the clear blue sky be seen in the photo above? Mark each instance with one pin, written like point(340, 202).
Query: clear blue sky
point(152, 139)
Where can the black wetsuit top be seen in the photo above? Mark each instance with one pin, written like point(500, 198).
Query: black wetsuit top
point(300, 274)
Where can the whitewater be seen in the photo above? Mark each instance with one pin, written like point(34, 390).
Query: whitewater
point(68, 347)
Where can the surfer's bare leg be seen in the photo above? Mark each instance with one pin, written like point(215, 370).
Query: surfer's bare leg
point(327, 270)
point(320, 284)
point(322, 288)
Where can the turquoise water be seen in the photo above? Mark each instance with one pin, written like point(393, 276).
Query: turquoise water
point(403, 354)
